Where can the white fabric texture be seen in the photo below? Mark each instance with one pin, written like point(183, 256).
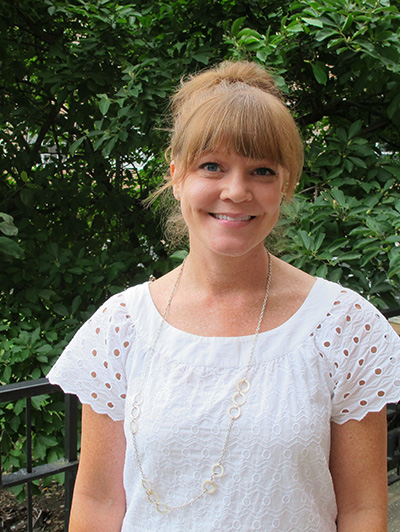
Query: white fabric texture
point(336, 359)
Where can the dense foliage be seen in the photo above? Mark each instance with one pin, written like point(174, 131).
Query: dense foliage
point(341, 64)
point(83, 103)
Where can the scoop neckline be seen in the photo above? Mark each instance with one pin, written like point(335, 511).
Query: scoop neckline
point(313, 300)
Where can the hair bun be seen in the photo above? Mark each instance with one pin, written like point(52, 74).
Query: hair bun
point(248, 73)
point(227, 72)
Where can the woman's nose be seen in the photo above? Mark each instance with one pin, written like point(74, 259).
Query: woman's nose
point(235, 188)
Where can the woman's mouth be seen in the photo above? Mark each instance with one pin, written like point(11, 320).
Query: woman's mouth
point(232, 218)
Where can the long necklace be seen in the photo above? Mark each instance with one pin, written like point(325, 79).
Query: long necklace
point(239, 398)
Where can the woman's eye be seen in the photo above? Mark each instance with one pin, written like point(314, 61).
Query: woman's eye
point(210, 167)
point(265, 171)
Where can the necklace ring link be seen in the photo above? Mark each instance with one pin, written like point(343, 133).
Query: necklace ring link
point(209, 486)
point(239, 398)
point(243, 385)
point(234, 412)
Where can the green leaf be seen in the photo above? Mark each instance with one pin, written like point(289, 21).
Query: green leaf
point(248, 32)
point(237, 24)
point(60, 309)
point(104, 105)
point(44, 349)
point(295, 28)
point(325, 33)
point(27, 197)
point(335, 275)
point(46, 294)
point(392, 239)
point(354, 129)
point(7, 218)
point(59, 478)
point(322, 271)
point(319, 73)
point(319, 239)
point(348, 23)
point(76, 304)
point(10, 248)
point(350, 255)
point(19, 407)
point(108, 148)
point(179, 255)
point(15, 423)
point(313, 22)
point(75, 145)
point(306, 239)
point(37, 402)
point(337, 244)
point(394, 106)
point(368, 256)
point(339, 196)
point(358, 162)
point(36, 373)
point(201, 57)
point(7, 227)
point(335, 173)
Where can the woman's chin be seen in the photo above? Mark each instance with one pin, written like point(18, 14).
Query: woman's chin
point(231, 248)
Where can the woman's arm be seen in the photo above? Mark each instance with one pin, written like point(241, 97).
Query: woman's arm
point(99, 497)
point(358, 468)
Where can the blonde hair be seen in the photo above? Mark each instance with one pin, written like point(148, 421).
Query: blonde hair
point(238, 106)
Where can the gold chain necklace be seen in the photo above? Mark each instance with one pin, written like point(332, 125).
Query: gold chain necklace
point(234, 411)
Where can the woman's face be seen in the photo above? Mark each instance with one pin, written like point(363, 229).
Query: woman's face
point(230, 203)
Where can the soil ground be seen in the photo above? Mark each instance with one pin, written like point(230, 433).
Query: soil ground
point(48, 511)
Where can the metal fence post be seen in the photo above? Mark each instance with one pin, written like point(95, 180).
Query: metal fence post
point(71, 451)
point(10, 393)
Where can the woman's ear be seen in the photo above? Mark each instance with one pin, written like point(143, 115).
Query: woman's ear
point(175, 190)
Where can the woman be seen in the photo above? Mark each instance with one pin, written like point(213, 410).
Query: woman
point(236, 392)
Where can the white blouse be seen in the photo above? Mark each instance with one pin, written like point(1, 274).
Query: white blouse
point(335, 359)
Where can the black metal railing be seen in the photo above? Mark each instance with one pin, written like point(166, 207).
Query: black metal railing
point(11, 393)
point(393, 444)
point(393, 419)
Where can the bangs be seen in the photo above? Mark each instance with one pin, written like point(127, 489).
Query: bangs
point(246, 121)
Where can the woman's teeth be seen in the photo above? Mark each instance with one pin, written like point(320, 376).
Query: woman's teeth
point(232, 218)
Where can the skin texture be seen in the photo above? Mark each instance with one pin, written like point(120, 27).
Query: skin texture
point(229, 184)
point(358, 467)
point(99, 497)
point(220, 294)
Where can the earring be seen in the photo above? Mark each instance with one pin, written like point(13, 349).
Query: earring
point(176, 195)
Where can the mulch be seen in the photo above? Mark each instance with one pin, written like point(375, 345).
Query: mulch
point(48, 511)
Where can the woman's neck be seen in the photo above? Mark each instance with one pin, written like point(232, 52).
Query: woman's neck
point(217, 274)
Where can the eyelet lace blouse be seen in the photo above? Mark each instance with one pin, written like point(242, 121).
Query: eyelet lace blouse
point(334, 360)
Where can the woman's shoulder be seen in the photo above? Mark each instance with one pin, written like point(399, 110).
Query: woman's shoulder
point(128, 300)
point(323, 299)
point(350, 321)
point(333, 315)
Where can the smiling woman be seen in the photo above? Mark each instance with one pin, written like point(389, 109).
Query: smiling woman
point(227, 395)
point(239, 107)
point(229, 202)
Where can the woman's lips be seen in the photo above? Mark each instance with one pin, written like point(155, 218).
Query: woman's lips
point(233, 217)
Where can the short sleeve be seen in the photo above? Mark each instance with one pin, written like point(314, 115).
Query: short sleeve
point(93, 365)
point(364, 353)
